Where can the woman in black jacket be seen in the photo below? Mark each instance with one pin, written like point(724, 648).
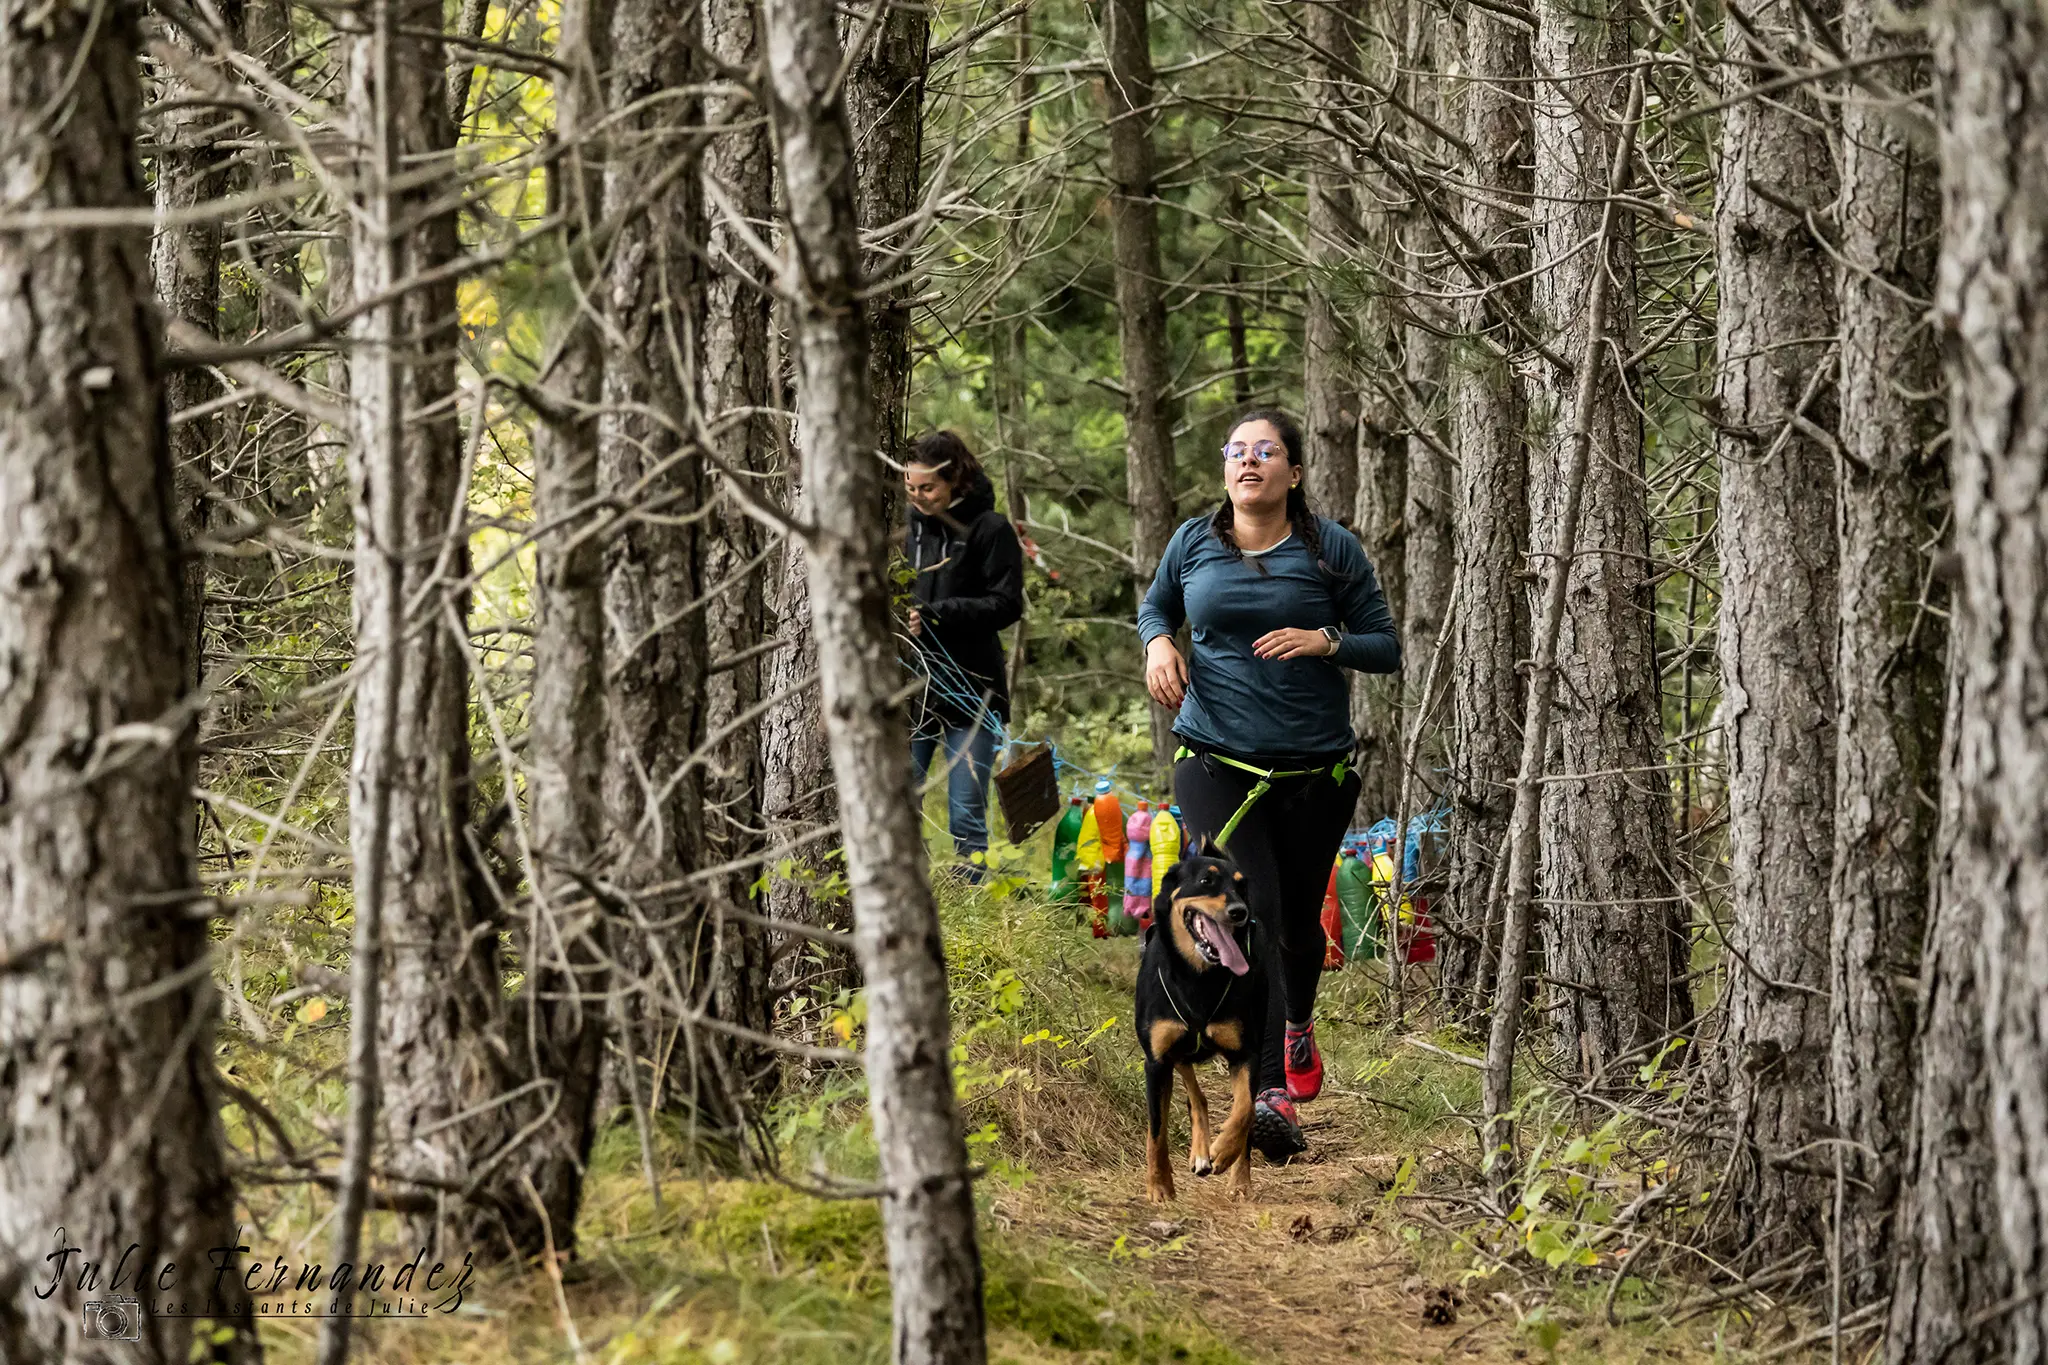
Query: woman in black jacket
point(969, 585)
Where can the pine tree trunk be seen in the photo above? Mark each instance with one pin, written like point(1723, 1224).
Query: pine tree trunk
point(653, 572)
point(1432, 562)
point(1425, 500)
point(1993, 282)
point(1778, 601)
point(1376, 701)
point(1329, 380)
point(1613, 935)
point(797, 799)
point(1488, 416)
point(290, 485)
point(557, 1028)
point(733, 390)
point(1382, 447)
point(1950, 1264)
point(441, 981)
point(928, 1210)
point(1888, 644)
point(184, 259)
point(107, 1008)
point(1140, 306)
point(885, 101)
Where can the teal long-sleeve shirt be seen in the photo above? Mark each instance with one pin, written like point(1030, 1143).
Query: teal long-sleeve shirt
point(1237, 701)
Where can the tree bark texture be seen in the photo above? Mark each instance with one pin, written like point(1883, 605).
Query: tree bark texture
point(557, 1032)
point(1376, 701)
point(1950, 1264)
point(653, 572)
point(1329, 378)
point(1525, 851)
point(1613, 933)
point(1141, 306)
point(1991, 295)
point(733, 392)
point(1775, 388)
point(1381, 437)
point(1489, 415)
point(1426, 353)
point(184, 259)
point(797, 795)
point(1890, 639)
point(928, 1207)
point(107, 1009)
point(442, 982)
point(885, 101)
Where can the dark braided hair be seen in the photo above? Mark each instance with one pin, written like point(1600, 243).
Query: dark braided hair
point(1300, 517)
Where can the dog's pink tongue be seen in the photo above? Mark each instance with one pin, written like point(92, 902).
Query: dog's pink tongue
point(1225, 945)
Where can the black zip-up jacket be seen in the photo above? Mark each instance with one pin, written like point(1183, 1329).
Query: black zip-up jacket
point(969, 585)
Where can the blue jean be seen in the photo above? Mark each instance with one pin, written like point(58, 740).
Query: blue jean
point(970, 755)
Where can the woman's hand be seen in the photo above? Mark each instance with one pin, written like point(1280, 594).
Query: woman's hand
point(1166, 673)
point(916, 622)
point(1288, 643)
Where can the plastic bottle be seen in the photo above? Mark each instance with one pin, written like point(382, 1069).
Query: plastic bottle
point(1066, 884)
point(1421, 933)
point(1359, 906)
point(1137, 871)
point(1165, 839)
point(1333, 921)
point(1109, 820)
point(1088, 843)
point(1098, 904)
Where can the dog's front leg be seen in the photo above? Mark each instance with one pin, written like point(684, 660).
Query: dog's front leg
point(1199, 1158)
point(1158, 1164)
point(1231, 1153)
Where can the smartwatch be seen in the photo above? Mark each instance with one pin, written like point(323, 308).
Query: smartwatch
point(1335, 637)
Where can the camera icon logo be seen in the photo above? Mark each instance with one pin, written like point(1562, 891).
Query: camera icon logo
point(112, 1319)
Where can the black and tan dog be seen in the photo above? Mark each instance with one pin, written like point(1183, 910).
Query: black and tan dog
point(1201, 993)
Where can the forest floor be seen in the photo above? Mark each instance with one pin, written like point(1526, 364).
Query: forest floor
point(1361, 1252)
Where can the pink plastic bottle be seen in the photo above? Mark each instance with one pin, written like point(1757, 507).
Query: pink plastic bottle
point(1138, 865)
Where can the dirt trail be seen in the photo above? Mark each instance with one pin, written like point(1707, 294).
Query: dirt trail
point(1313, 1267)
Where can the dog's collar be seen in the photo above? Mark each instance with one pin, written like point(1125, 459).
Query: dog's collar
point(1189, 1024)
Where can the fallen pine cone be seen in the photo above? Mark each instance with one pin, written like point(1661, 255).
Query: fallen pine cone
point(1440, 1306)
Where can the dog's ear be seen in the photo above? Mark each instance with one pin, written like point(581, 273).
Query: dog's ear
point(1165, 887)
point(1208, 847)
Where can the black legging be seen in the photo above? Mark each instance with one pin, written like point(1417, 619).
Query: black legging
point(1285, 846)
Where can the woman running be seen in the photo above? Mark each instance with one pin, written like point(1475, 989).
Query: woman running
point(969, 585)
point(1281, 601)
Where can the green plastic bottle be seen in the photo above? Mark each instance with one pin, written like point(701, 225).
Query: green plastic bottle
point(1066, 839)
point(1360, 909)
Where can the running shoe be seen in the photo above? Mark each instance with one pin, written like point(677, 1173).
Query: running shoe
point(1304, 1064)
point(1276, 1132)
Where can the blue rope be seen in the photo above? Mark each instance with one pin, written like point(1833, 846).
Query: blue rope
point(948, 681)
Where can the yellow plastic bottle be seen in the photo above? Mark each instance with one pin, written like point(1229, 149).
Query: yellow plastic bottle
point(1165, 841)
point(1088, 848)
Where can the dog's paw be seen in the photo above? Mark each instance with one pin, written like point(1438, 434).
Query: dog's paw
point(1202, 1165)
point(1159, 1193)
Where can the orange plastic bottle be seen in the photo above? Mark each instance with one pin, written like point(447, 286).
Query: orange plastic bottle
point(1333, 924)
point(1109, 821)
